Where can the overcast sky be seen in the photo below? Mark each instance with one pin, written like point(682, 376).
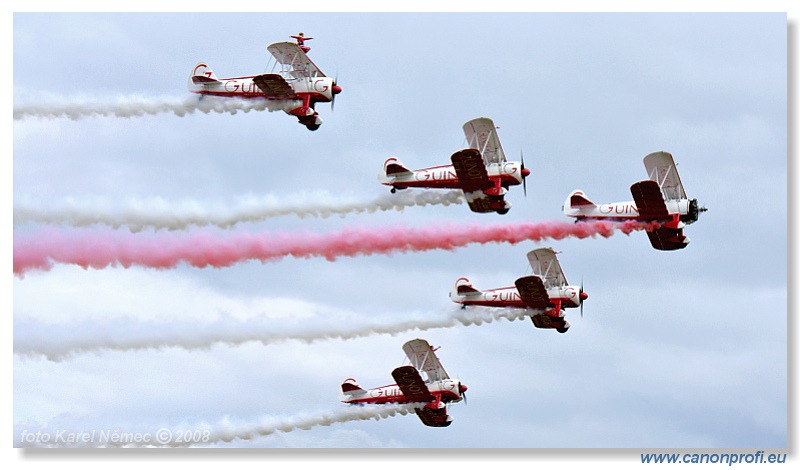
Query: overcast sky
point(675, 349)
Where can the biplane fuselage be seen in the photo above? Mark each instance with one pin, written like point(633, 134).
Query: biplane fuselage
point(317, 90)
point(446, 391)
point(545, 293)
point(626, 210)
point(563, 296)
point(481, 171)
point(660, 200)
point(445, 177)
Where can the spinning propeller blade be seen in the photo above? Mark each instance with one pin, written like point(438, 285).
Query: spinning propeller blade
point(524, 176)
point(582, 296)
point(336, 89)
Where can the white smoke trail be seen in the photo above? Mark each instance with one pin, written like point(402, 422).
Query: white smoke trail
point(135, 105)
point(60, 342)
point(202, 434)
point(158, 213)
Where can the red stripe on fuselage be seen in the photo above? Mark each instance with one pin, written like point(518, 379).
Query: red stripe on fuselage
point(315, 97)
point(445, 182)
point(446, 396)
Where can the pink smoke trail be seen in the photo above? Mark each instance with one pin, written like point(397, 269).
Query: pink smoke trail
point(103, 248)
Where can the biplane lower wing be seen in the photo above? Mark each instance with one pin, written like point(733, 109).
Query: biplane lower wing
point(534, 295)
point(433, 414)
point(547, 322)
point(411, 384)
point(473, 179)
point(434, 417)
point(667, 239)
point(532, 292)
point(275, 87)
point(649, 200)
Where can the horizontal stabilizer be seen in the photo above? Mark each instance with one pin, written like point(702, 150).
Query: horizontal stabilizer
point(203, 79)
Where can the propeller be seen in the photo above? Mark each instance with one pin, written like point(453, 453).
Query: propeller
point(524, 174)
point(582, 296)
point(335, 90)
point(462, 389)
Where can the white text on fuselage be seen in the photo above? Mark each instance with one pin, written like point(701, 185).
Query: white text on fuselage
point(502, 296)
point(436, 174)
point(385, 392)
point(625, 208)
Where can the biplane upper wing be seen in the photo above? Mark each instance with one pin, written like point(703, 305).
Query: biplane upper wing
point(275, 87)
point(546, 266)
point(532, 292)
point(482, 135)
point(294, 61)
point(473, 178)
point(661, 169)
point(420, 354)
point(411, 384)
point(649, 200)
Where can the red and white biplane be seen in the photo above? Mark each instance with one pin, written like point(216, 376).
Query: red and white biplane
point(546, 290)
point(436, 390)
point(481, 171)
point(658, 199)
point(297, 78)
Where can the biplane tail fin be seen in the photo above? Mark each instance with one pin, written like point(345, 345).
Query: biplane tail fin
point(393, 167)
point(464, 287)
point(351, 387)
point(577, 203)
point(577, 199)
point(203, 74)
